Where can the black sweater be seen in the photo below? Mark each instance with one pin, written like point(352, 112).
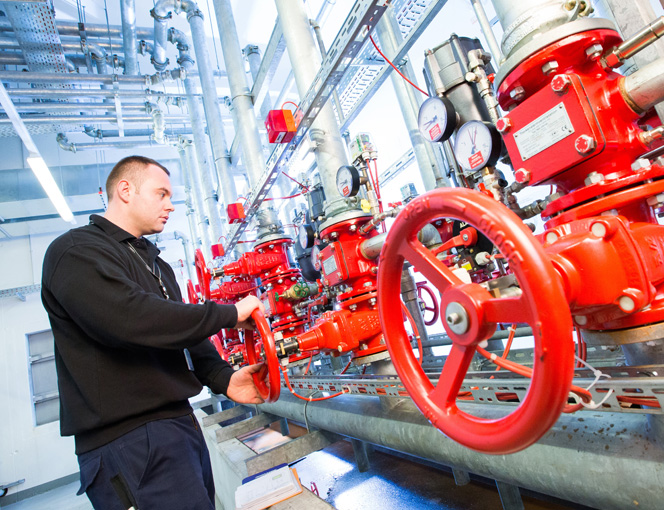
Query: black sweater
point(119, 344)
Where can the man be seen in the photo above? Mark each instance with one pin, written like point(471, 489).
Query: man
point(129, 353)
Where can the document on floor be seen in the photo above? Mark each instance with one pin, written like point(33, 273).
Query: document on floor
point(268, 489)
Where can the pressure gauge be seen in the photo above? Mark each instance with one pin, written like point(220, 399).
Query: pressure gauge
point(315, 261)
point(437, 119)
point(306, 236)
point(477, 144)
point(348, 181)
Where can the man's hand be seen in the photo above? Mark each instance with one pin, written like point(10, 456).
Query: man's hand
point(242, 389)
point(244, 309)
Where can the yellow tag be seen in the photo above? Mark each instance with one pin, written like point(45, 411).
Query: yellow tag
point(364, 204)
point(467, 266)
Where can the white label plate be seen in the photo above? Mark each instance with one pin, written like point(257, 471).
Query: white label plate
point(545, 131)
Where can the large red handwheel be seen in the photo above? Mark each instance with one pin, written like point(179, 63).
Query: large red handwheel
point(268, 391)
point(202, 274)
point(422, 287)
point(470, 315)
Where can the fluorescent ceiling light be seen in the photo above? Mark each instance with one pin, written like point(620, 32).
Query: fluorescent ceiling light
point(35, 161)
point(45, 178)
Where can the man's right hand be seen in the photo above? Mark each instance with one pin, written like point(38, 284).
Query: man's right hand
point(245, 308)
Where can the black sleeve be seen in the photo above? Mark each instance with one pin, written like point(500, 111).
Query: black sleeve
point(93, 287)
point(210, 369)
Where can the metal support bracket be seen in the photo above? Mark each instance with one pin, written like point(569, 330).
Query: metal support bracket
point(226, 415)
point(510, 496)
point(240, 428)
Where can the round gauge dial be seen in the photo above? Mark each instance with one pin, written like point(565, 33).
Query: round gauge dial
point(315, 261)
point(437, 119)
point(306, 236)
point(477, 144)
point(348, 181)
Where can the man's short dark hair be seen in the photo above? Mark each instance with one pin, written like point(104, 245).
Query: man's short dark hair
point(130, 168)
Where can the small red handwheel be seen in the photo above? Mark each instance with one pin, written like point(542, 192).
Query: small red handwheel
point(192, 295)
point(470, 315)
point(422, 287)
point(203, 274)
point(268, 391)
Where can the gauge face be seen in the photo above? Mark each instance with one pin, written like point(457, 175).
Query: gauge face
point(348, 181)
point(437, 119)
point(306, 236)
point(477, 145)
point(315, 261)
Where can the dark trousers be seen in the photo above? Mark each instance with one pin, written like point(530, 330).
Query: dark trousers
point(162, 465)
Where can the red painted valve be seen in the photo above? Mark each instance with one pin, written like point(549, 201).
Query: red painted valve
point(423, 288)
point(191, 293)
point(470, 317)
point(268, 391)
point(203, 274)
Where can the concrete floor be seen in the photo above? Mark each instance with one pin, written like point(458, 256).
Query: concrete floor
point(62, 498)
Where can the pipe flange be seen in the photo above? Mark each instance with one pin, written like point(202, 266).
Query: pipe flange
point(546, 39)
point(195, 12)
point(157, 17)
point(344, 216)
point(371, 358)
point(159, 66)
point(649, 333)
point(271, 238)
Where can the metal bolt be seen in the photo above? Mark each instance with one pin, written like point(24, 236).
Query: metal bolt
point(372, 301)
point(626, 303)
point(595, 51)
point(457, 318)
point(581, 320)
point(656, 200)
point(453, 318)
point(641, 164)
point(353, 308)
point(585, 144)
point(551, 237)
point(598, 229)
point(353, 228)
point(550, 67)
point(518, 93)
point(504, 124)
point(464, 237)
point(593, 178)
point(560, 83)
point(281, 280)
point(522, 175)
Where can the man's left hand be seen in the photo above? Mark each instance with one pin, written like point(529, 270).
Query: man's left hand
point(242, 389)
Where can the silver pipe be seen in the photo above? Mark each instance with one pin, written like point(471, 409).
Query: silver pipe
point(129, 37)
point(409, 103)
point(370, 248)
point(502, 334)
point(159, 126)
point(159, 59)
point(188, 257)
point(305, 60)
point(70, 28)
point(645, 88)
point(66, 145)
point(188, 191)
point(21, 77)
point(102, 134)
point(198, 201)
point(73, 93)
point(246, 126)
point(49, 107)
point(581, 459)
point(323, 53)
point(485, 26)
point(183, 44)
point(90, 119)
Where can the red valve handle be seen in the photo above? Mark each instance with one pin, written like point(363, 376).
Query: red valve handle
point(467, 237)
point(192, 295)
point(268, 391)
point(202, 274)
point(542, 304)
point(422, 287)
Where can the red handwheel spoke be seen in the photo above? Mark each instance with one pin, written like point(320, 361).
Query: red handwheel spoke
point(269, 390)
point(451, 377)
point(508, 310)
point(426, 263)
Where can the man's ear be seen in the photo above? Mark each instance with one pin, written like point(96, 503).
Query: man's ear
point(123, 190)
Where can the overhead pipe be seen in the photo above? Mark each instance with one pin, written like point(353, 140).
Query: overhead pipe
point(74, 93)
point(129, 36)
point(50, 107)
point(569, 462)
point(102, 134)
point(70, 28)
point(21, 77)
point(330, 151)
point(202, 168)
point(90, 119)
point(161, 13)
point(66, 145)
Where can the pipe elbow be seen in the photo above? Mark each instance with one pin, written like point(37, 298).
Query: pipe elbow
point(64, 143)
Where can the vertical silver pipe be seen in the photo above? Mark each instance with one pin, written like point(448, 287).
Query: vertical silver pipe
point(129, 39)
point(246, 126)
point(485, 25)
point(205, 168)
point(198, 200)
point(188, 192)
point(159, 60)
point(188, 256)
point(409, 102)
point(305, 60)
point(211, 106)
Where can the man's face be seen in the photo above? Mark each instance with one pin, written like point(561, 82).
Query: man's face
point(151, 202)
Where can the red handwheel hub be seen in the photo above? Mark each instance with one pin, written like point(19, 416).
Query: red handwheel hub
point(269, 391)
point(470, 315)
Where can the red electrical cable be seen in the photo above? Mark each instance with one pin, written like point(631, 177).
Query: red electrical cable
point(285, 372)
point(289, 102)
point(311, 356)
point(394, 67)
point(346, 368)
point(508, 345)
point(283, 198)
point(296, 182)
